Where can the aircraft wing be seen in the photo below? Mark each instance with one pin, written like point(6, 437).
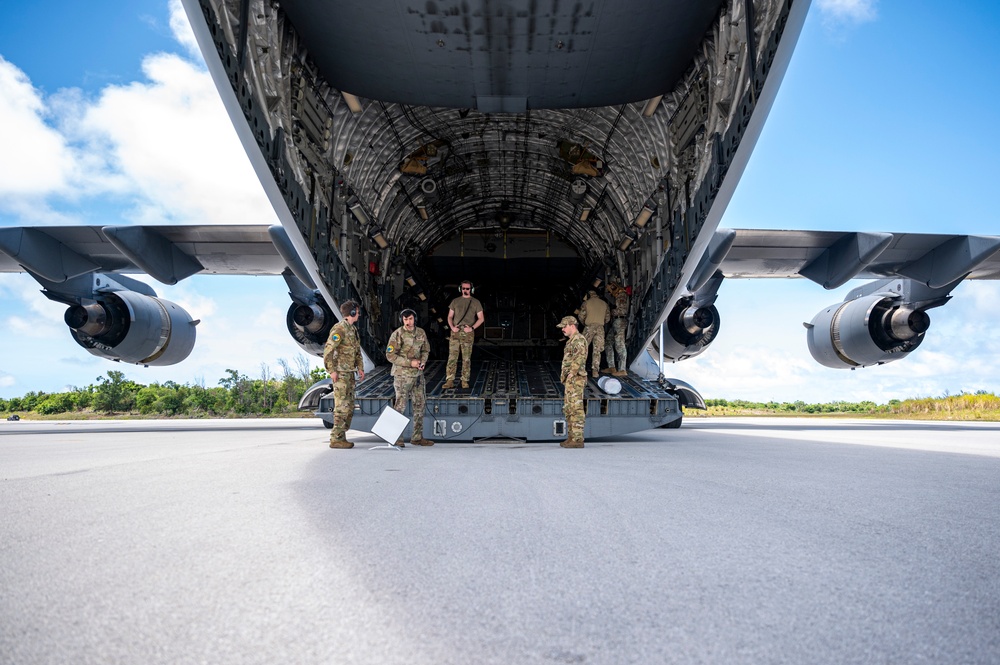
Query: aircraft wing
point(168, 253)
point(830, 258)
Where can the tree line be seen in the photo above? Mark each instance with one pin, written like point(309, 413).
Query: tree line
point(274, 394)
point(235, 395)
point(966, 406)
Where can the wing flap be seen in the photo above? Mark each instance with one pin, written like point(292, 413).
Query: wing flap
point(167, 253)
point(758, 253)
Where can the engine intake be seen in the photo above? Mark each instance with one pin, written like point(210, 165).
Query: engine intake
point(132, 328)
point(309, 325)
point(871, 330)
point(690, 329)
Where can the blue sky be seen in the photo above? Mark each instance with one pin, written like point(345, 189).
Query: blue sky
point(885, 121)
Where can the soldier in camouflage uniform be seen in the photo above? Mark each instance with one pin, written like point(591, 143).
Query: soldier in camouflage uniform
point(342, 357)
point(465, 314)
point(595, 313)
point(618, 324)
point(574, 377)
point(408, 350)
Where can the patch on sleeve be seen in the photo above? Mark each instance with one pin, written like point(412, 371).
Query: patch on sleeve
point(390, 348)
point(335, 337)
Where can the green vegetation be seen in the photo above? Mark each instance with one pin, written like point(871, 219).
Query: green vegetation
point(978, 406)
point(237, 395)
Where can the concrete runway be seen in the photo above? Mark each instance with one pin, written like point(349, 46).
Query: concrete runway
point(726, 541)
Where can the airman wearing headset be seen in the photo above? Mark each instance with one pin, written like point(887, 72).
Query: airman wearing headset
point(465, 314)
point(342, 358)
point(408, 350)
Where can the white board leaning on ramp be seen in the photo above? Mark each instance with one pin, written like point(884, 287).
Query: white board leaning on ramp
point(389, 427)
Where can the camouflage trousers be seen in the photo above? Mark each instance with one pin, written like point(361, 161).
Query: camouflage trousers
point(618, 344)
point(343, 405)
point(573, 407)
point(460, 342)
point(411, 387)
point(595, 337)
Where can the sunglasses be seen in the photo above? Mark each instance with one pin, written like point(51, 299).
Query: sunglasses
point(466, 289)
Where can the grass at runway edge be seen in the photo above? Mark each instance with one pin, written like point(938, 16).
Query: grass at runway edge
point(979, 406)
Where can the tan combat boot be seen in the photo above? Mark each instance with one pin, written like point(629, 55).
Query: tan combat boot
point(399, 443)
point(608, 370)
point(620, 372)
point(340, 443)
point(570, 443)
point(448, 385)
point(594, 374)
point(465, 384)
point(421, 442)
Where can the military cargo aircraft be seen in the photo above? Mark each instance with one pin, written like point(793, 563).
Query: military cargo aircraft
point(537, 148)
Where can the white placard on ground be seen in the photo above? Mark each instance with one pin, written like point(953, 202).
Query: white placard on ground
point(390, 425)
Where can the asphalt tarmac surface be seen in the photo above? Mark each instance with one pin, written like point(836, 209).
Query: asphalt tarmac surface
point(726, 541)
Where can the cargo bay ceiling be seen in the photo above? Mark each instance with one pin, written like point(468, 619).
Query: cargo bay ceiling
point(428, 118)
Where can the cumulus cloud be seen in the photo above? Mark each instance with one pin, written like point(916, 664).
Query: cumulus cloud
point(847, 11)
point(162, 150)
point(158, 150)
point(181, 28)
point(44, 161)
point(170, 136)
point(36, 317)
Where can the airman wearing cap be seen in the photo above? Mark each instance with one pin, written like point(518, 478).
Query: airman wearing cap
point(595, 313)
point(620, 295)
point(574, 377)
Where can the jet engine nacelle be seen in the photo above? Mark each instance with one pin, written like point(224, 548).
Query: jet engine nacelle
point(690, 328)
point(132, 327)
point(309, 325)
point(871, 330)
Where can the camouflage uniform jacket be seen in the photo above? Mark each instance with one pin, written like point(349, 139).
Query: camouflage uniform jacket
point(343, 349)
point(621, 303)
point(405, 346)
point(574, 357)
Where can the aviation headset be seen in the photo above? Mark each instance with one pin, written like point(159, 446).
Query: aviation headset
point(472, 287)
point(407, 312)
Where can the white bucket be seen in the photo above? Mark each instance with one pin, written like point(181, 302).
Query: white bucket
point(610, 385)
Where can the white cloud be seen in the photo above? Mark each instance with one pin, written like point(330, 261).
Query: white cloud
point(162, 149)
point(43, 161)
point(848, 11)
point(37, 317)
point(181, 28)
point(172, 139)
